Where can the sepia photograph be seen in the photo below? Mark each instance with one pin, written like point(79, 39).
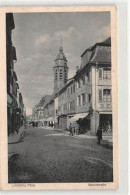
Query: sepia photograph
point(60, 98)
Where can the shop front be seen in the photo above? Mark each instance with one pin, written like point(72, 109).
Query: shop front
point(83, 120)
point(105, 121)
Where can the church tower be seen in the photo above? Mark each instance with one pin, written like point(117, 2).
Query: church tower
point(60, 71)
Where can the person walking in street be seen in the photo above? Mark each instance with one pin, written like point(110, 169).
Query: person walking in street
point(99, 135)
point(70, 129)
point(73, 130)
point(77, 129)
point(33, 124)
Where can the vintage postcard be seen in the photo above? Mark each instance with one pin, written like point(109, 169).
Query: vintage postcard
point(58, 98)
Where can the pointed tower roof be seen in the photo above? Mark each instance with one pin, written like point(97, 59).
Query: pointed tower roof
point(61, 55)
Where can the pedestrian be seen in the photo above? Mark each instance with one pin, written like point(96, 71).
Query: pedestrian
point(70, 129)
point(17, 130)
point(99, 135)
point(33, 124)
point(73, 130)
point(77, 129)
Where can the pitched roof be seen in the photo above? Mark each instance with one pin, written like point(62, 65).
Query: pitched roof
point(106, 42)
point(102, 54)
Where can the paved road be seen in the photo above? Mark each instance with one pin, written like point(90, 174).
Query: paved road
point(50, 156)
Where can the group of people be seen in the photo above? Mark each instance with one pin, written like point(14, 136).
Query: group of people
point(35, 124)
point(74, 129)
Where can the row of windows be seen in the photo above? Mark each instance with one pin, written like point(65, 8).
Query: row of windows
point(104, 96)
point(61, 70)
point(67, 106)
point(70, 90)
point(84, 79)
point(104, 73)
point(83, 99)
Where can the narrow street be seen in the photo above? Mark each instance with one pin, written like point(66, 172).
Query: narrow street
point(51, 156)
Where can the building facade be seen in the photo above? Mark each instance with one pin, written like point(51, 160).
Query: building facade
point(66, 104)
point(13, 111)
point(86, 98)
point(93, 91)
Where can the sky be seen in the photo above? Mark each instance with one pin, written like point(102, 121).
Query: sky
point(37, 38)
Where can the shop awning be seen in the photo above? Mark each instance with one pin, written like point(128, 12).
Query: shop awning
point(78, 116)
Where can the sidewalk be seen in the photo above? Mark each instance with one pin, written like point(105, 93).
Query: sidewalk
point(107, 140)
point(15, 138)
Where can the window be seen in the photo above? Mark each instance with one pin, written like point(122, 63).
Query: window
point(78, 100)
point(74, 88)
point(60, 75)
point(106, 95)
point(69, 106)
point(68, 91)
point(89, 98)
point(100, 95)
point(100, 73)
point(83, 79)
point(107, 74)
point(81, 82)
point(71, 89)
point(78, 84)
point(88, 76)
point(104, 73)
point(83, 99)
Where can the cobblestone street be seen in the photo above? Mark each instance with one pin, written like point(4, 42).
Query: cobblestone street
point(50, 156)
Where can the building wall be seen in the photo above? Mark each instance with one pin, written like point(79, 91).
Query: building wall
point(66, 104)
point(99, 105)
point(85, 89)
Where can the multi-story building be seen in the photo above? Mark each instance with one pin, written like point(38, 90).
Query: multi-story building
point(12, 85)
point(66, 104)
point(20, 110)
point(10, 59)
point(38, 112)
point(93, 88)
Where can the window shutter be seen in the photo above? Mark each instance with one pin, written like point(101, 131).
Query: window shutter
point(100, 73)
point(100, 95)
